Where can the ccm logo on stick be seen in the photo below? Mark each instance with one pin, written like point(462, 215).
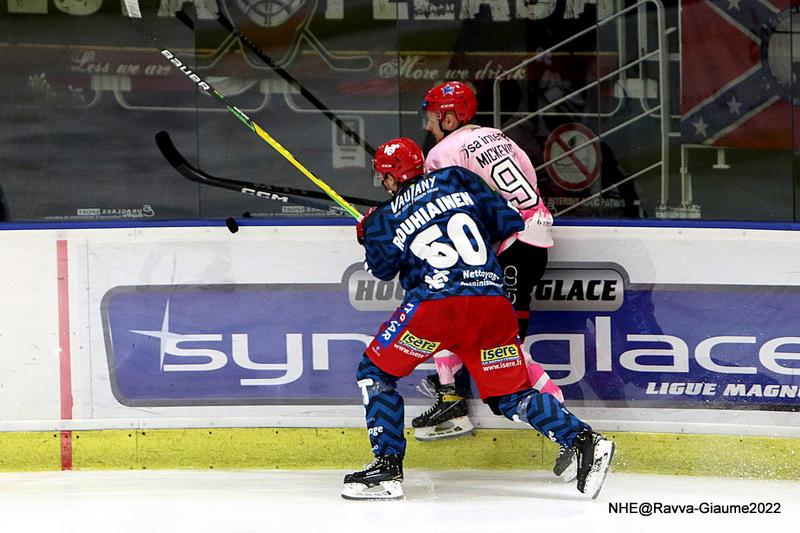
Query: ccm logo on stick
point(267, 195)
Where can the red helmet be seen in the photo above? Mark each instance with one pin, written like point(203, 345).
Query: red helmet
point(452, 96)
point(400, 158)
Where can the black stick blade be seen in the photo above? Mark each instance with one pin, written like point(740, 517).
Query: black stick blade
point(168, 150)
point(267, 192)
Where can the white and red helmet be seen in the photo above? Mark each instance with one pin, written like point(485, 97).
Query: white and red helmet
point(399, 158)
point(451, 96)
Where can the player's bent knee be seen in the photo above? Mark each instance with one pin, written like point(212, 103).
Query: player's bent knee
point(368, 369)
point(373, 381)
point(514, 406)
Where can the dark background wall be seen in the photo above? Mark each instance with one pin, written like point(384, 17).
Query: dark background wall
point(84, 90)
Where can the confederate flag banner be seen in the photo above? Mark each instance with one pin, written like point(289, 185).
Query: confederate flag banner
point(739, 76)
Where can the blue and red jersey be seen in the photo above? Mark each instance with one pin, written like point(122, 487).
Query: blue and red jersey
point(436, 232)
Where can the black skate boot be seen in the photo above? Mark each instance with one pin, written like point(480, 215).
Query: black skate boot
point(431, 384)
point(447, 418)
point(379, 480)
point(566, 467)
point(594, 457)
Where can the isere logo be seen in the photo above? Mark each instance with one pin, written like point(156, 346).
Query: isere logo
point(501, 353)
point(416, 343)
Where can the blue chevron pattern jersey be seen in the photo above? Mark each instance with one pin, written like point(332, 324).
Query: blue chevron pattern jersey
point(435, 231)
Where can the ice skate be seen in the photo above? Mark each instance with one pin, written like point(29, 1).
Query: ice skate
point(380, 480)
point(594, 458)
point(446, 418)
point(566, 467)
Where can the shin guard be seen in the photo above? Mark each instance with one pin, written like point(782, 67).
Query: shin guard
point(384, 409)
point(542, 411)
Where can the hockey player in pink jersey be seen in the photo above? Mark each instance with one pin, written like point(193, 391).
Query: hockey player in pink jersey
point(448, 111)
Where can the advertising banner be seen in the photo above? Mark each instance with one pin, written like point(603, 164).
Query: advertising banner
point(234, 344)
point(606, 341)
point(610, 342)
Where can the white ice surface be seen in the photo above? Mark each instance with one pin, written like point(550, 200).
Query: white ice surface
point(234, 501)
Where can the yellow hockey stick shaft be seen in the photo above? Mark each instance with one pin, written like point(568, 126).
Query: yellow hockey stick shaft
point(261, 132)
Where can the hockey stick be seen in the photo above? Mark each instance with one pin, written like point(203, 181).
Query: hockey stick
point(268, 192)
point(291, 80)
point(132, 8)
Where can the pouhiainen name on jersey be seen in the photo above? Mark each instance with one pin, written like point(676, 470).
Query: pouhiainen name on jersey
point(428, 211)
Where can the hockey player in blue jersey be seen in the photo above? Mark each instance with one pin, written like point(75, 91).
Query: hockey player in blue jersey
point(435, 233)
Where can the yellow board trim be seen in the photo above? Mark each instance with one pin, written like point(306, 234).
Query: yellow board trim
point(331, 448)
point(30, 451)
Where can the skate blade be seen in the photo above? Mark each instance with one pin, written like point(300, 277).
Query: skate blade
point(571, 472)
point(446, 430)
point(568, 472)
point(603, 453)
point(385, 490)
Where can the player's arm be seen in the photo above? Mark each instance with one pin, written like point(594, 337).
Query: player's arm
point(378, 264)
point(440, 157)
point(517, 177)
point(525, 165)
point(382, 255)
point(502, 220)
point(499, 217)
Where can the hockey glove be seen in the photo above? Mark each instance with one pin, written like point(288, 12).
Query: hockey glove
point(360, 226)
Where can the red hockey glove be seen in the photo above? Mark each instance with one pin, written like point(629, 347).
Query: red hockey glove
point(360, 226)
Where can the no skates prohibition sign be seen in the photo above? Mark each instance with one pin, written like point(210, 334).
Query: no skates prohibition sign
point(579, 169)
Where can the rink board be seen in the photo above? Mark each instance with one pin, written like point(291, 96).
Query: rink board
point(343, 448)
point(648, 329)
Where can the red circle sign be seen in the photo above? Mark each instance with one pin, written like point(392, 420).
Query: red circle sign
point(579, 169)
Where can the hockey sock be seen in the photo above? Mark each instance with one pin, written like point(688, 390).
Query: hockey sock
point(447, 365)
point(463, 383)
point(541, 381)
point(542, 411)
point(384, 409)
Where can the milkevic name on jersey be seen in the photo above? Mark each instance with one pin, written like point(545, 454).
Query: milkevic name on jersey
point(437, 225)
point(497, 146)
point(505, 167)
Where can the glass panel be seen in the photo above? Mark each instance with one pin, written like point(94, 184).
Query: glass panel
point(324, 102)
point(85, 91)
point(738, 98)
point(83, 94)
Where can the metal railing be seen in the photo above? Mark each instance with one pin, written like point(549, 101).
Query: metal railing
point(661, 111)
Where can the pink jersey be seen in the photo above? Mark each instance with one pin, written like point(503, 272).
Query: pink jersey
point(505, 168)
